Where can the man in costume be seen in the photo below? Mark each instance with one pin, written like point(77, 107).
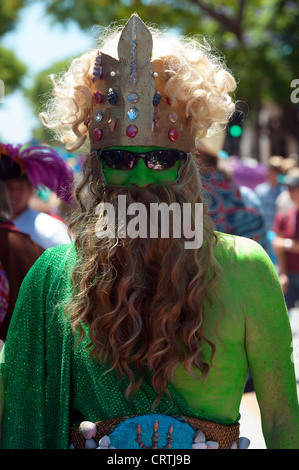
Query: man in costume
point(141, 335)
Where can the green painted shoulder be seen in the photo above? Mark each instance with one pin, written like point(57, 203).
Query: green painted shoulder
point(239, 249)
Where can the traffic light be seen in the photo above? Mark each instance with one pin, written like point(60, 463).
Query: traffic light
point(235, 130)
point(234, 133)
point(235, 125)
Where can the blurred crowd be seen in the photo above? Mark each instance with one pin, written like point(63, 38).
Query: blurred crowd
point(245, 199)
point(266, 211)
point(32, 215)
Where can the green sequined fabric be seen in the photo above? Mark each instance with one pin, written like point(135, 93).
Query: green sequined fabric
point(49, 384)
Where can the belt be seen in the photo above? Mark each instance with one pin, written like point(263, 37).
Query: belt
point(224, 435)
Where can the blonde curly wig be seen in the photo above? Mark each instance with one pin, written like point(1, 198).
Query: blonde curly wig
point(197, 77)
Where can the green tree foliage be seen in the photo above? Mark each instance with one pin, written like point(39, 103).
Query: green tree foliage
point(9, 14)
point(41, 92)
point(12, 70)
point(259, 39)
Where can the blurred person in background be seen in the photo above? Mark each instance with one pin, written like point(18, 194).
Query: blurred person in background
point(17, 254)
point(286, 242)
point(36, 166)
point(233, 209)
point(269, 191)
point(284, 201)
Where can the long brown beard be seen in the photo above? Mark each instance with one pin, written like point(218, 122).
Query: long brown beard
point(143, 298)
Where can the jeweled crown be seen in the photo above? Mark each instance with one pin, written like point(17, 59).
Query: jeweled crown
point(129, 104)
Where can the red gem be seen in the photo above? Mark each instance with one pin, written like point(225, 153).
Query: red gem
point(131, 130)
point(168, 100)
point(173, 135)
point(97, 133)
point(98, 97)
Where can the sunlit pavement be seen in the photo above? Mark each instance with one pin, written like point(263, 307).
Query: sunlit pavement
point(250, 423)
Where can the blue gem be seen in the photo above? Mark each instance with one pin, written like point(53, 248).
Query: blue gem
point(133, 113)
point(133, 98)
point(98, 115)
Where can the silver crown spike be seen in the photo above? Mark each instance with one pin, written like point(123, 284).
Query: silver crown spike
point(133, 75)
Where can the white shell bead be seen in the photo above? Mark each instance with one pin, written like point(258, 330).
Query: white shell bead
point(199, 445)
point(212, 445)
point(244, 443)
point(199, 436)
point(91, 444)
point(88, 429)
point(104, 441)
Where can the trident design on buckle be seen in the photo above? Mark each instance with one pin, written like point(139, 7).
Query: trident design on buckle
point(155, 437)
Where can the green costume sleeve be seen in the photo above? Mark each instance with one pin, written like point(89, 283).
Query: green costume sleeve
point(30, 409)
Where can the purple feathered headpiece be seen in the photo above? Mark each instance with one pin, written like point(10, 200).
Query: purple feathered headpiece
point(43, 167)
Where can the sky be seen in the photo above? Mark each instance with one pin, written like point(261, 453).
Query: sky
point(38, 43)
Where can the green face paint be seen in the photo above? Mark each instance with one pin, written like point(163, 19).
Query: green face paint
point(140, 175)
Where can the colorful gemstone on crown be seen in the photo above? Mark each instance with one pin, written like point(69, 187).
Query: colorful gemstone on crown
point(157, 98)
point(112, 123)
point(98, 97)
point(133, 98)
point(97, 133)
point(173, 135)
point(131, 130)
point(112, 96)
point(172, 117)
point(133, 113)
point(98, 115)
